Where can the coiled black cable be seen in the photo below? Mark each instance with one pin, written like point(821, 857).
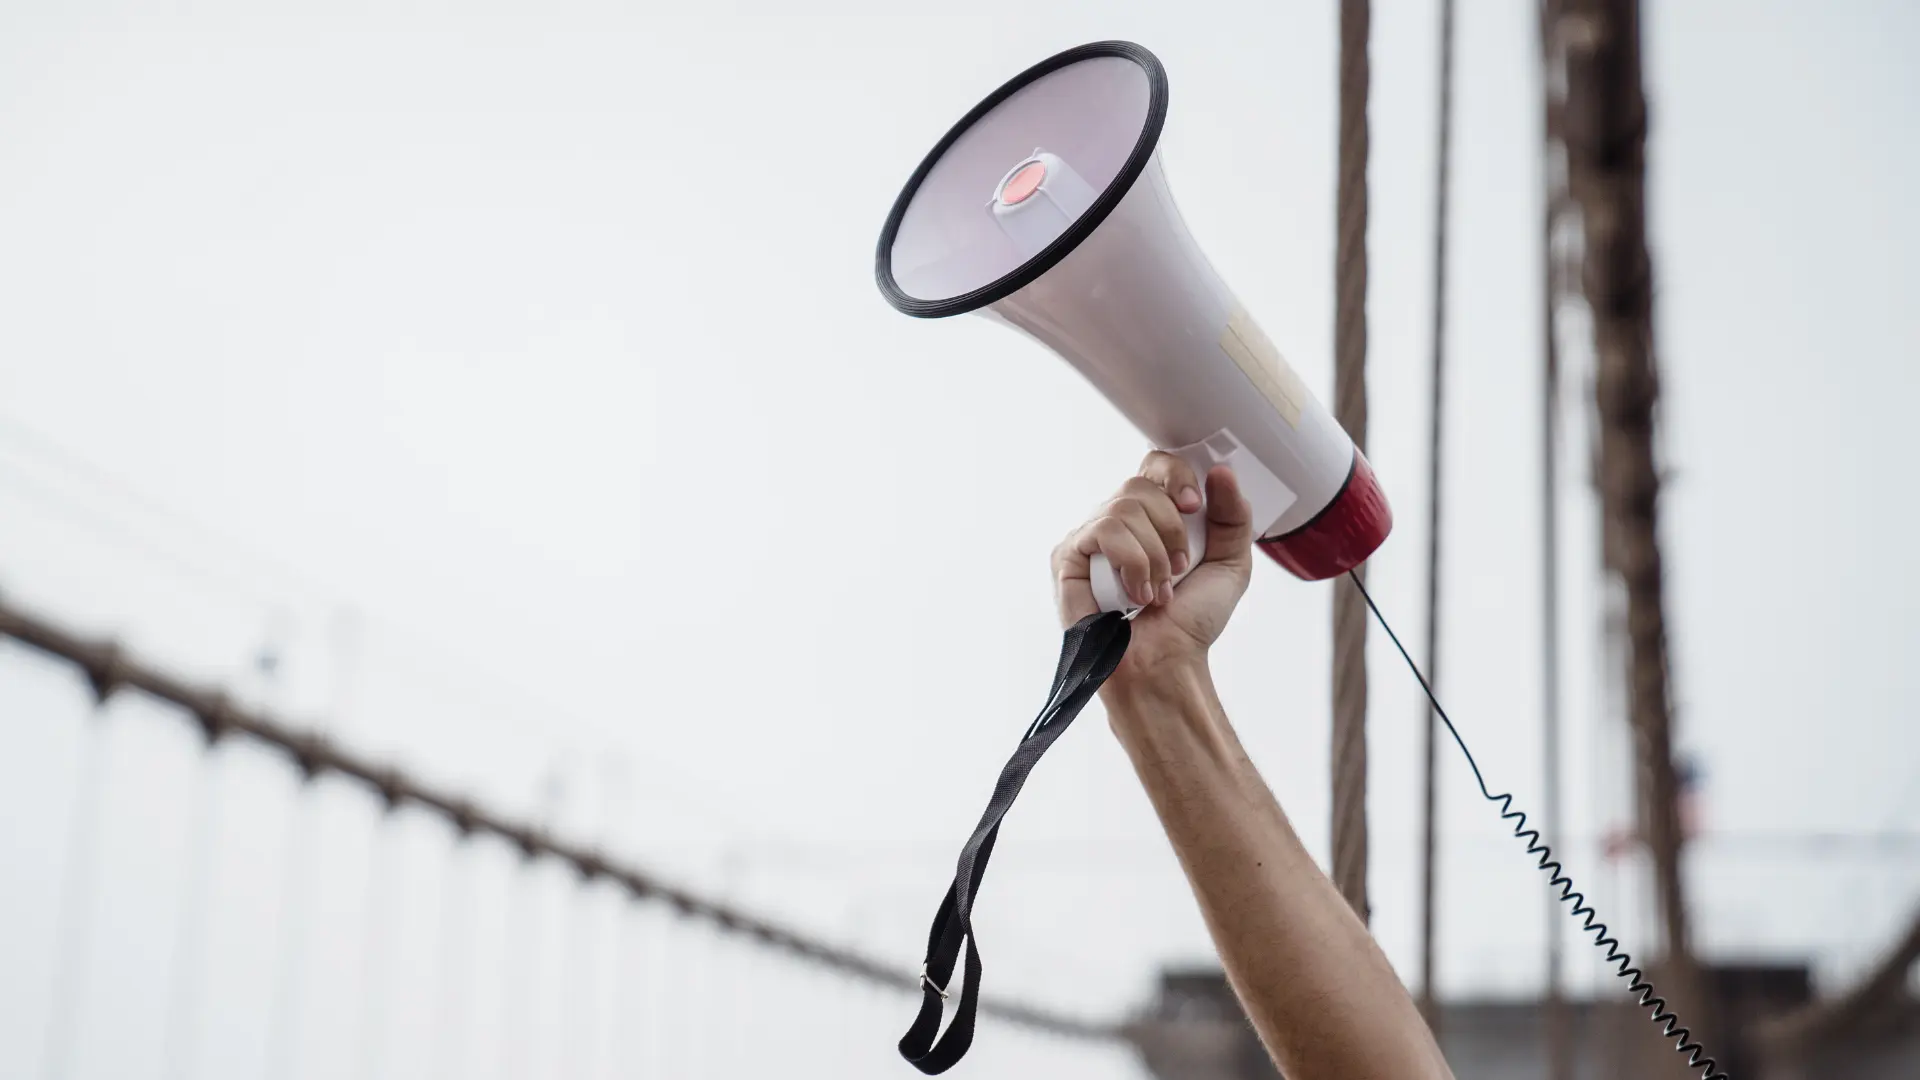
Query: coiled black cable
point(1590, 923)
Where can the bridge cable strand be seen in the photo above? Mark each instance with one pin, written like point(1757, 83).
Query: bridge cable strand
point(1348, 750)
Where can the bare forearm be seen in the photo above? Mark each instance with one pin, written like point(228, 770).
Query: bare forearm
point(1325, 1001)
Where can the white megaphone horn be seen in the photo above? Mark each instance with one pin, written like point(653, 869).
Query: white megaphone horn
point(1045, 208)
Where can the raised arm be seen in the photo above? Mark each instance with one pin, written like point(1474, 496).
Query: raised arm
point(1320, 992)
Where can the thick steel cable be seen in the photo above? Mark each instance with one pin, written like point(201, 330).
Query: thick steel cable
point(1605, 133)
point(517, 962)
point(1349, 745)
point(376, 951)
point(110, 669)
point(296, 901)
point(456, 931)
point(1560, 1062)
point(1430, 812)
point(624, 1001)
point(577, 982)
point(179, 1038)
point(75, 934)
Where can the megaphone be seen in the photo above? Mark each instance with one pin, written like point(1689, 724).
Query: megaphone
point(1046, 208)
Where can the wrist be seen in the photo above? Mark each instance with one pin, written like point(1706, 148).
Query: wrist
point(1167, 716)
point(1146, 689)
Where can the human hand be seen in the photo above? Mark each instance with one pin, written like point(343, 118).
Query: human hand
point(1141, 534)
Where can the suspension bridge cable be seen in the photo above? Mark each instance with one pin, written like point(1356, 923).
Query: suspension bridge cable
point(623, 1003)
point(187, 966)
point(111, 669)
point(1349, 746)
point(577, 973)
point(76, 889)
point(1429, 810)
point(516, 975)
point(1560, 1063)
point(296, 892)
point(455, 927)
point(1605, 135)
point(383, 886)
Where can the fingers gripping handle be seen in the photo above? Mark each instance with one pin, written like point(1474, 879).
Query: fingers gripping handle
point(1216, 449)
point(1111, 594)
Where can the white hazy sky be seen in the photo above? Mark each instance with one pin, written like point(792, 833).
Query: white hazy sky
point(518, 368)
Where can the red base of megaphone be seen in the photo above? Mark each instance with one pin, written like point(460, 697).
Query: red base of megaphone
point(1341, 536)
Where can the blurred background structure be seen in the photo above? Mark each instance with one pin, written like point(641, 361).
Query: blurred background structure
point(454, 619)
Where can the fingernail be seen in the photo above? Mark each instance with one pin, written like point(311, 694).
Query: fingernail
point(1166, 592)
point(1189, 498)
point(1179, 562)
point(1146, 593)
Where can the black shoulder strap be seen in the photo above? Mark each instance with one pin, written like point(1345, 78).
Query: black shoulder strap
point(1092, 649)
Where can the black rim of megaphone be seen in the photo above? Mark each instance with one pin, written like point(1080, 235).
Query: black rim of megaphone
point(1006, 285)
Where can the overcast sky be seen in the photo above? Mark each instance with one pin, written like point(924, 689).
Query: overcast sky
point(520, 373)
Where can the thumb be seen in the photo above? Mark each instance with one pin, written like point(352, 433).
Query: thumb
point(1229, 519)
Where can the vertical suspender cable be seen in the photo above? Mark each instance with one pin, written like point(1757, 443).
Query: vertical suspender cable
point(1559, 1042)
point(1349, 758)
point(187, 965)
point(1429, 848)
point(1606, 140)
point(76, 898)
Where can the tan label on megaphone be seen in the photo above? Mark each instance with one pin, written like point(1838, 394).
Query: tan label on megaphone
point(1248, 345)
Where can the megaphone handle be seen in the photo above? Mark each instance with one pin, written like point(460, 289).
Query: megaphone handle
point(1111, 594)
point(1108, 591)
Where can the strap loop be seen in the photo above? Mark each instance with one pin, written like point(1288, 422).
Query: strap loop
point(1090, 652)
